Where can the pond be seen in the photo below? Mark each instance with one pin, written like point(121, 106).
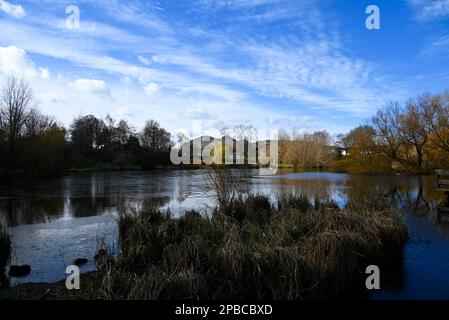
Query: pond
point(54, 221)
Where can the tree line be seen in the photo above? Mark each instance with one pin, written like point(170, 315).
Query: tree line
point(409, 138)
point(34, 143)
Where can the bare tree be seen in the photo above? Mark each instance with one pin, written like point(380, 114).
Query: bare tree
point(37, 123)
point(413, 128)
point(387, 131)
point(245, 133)
point(154, 137)
point(309, 150)
point(435, 110)
point(122, 133)
point(16, 105)
point(284, 141)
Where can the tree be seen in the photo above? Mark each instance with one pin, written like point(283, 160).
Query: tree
point(155, 138)
point(29, 140)
point(122, 134)
point(363, 155)
point(37, 124)
point(309, 150)
point(245, 133)
point(436, 117)
point(360, 141)
point(412, 127)
point(16, 105)
point(284, 141)
point(387, 131)
point(45, 152)
point(85, 131)
point(105, 136)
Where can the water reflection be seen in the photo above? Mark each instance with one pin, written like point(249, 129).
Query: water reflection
point(54, 221)
point(28, 202)
point(31, 202)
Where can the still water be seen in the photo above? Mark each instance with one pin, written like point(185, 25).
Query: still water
point(54, 221)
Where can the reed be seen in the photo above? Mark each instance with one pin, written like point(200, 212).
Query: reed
point(5, 248)
point(250, 249)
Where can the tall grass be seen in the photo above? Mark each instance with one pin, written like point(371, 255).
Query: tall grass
point(5, 248)
point(224, 183)
point(250, 249)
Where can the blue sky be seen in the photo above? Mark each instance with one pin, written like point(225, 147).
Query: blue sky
point(309, 65)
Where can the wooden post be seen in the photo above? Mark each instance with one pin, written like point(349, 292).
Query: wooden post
point(443, 185)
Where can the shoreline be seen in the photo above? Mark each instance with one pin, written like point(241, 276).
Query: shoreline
point(48, 290)
point(81, 171)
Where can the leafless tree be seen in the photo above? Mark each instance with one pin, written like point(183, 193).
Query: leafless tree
point(436, 117)
point(387, 130)
point(122, 133)
point(37, 123)
point(413, 128)
point(154, 137)
point(245, 133)
point(309, 150)
point(16, 106)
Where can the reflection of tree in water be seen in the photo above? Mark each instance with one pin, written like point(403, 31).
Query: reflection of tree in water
point(99, 193)
point(15, 211)
point(412, 193)
point(41, 201)
point(182, 189)
point(319, 189)
point(86, 207)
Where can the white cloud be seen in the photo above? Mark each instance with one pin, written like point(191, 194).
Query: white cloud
point(311, 71)
point(159, 59)
point(144, 60)
point(44, 73)
point(198, 113)
point(240, 4)
point(431, 10)
point(14, 61)
point(16, 11)
point(152, 88)
point(135, 13)
point(90, 85)
point(49, 97)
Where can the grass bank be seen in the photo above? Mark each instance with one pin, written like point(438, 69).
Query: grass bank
point(248, 248)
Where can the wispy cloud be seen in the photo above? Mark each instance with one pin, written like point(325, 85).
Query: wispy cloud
point(13, 10)
point(142, 14)
point(226, 61)
point(431, 10)
point(436, 46)
point(151, 88)
point(90, 85)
